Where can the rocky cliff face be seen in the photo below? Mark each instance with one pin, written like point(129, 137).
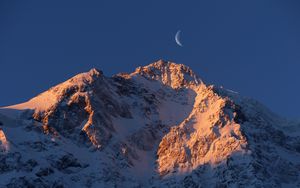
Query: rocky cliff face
point(160, 126)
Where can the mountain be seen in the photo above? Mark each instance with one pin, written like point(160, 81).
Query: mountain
point(159, 126)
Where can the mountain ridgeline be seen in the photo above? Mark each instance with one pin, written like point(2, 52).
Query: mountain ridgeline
point(159, 126)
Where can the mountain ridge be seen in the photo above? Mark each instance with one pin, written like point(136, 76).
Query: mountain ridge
point(100, 131)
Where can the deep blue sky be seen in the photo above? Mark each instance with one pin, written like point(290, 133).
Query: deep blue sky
point(252, 47)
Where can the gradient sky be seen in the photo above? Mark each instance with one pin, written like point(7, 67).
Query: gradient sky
point(252, 47)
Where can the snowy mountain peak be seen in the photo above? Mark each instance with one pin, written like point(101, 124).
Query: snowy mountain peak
point(95, 72)
point(169, 73)
point(159, 126)
point(58, 93)
point(85, 78)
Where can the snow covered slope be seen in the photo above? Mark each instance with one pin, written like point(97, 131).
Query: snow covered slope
point(159, 126)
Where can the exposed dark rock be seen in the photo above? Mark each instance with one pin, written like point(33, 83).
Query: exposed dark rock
point(44, 172)
point(29, 165)
point(67, 164)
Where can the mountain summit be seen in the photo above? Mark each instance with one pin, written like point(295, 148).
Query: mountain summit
point(159, 126)
point(169, 73)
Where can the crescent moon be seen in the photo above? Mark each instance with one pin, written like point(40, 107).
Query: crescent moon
point(177, 38)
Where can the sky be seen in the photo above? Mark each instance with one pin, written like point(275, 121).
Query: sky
point(252, 47)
